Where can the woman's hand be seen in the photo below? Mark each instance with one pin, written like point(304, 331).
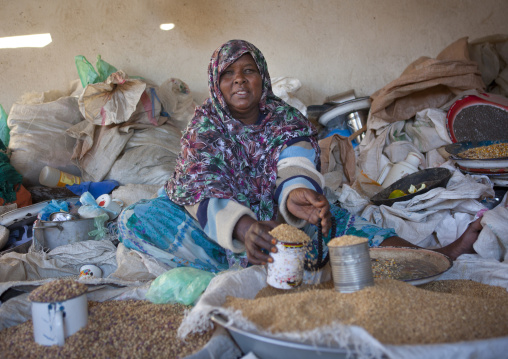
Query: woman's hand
point(254, 234)
point(311, 206)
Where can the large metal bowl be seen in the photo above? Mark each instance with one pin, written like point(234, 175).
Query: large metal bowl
point(274, 348)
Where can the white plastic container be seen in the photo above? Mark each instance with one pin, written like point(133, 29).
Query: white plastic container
point(52, 177)
point(393, 172)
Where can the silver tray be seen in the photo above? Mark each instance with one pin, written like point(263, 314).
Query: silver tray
point(265, 347)
point(418, 265)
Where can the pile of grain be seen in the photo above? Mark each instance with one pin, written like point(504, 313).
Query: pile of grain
point(58, 291)
point(289, 234)
point(346, 241)
point(392, 311)
point(116, 329)
point(497, 150)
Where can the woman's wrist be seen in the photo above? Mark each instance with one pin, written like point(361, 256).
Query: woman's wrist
point(242, 226)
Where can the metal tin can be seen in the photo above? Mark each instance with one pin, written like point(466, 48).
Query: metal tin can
point(286, 270)
point(351, 267)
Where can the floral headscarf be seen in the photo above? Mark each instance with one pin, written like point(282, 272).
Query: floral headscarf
point(223, 158)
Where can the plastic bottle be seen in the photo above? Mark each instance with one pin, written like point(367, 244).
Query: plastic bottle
point(52, 177)
point(393, 172)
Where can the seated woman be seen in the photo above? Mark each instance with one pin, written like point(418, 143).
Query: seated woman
point(248, 162)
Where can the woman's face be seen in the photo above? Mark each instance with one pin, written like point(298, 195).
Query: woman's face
point(241, 87)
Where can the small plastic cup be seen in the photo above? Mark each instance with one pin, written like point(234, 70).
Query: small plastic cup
point(89, 271)
point(351, 267)
point(286, 270)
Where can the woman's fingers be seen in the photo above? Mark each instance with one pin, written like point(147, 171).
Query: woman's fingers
point(260, 243)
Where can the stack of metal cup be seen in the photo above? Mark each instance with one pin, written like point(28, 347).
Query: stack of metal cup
point(351, 267)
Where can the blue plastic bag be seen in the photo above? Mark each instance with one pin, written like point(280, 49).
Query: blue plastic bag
point(52, 207)
point(95, 188)
point(179, 285)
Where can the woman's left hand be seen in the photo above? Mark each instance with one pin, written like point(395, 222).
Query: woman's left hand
point(257, 239)
point(311, 206)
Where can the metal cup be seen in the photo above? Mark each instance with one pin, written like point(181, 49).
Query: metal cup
point(351, 267)
point(355, 121)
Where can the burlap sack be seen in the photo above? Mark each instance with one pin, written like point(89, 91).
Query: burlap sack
point(338, 161)
point(428, 83)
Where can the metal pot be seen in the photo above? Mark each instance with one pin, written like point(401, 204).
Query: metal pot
point(51, 234)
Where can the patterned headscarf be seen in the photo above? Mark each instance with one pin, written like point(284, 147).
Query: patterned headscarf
point(223, 158)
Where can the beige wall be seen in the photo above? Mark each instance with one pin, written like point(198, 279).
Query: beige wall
point(330, 46)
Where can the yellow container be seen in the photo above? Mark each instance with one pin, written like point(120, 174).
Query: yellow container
point(52, 177)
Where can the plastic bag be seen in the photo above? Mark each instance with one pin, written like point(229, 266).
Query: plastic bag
point(100, 230)
point(95, 188)
point(90, 208)
point(87, 73)
point(52, 207)
point(179, 285)
point(4, 129)
point(285, 88)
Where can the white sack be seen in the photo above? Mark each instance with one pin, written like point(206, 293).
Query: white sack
point(416, 219)
point(149, 157)
point(428, 130)
point(132, 193)
point(493, 240)
point(98, 147)
point(391, 142)
point(59, 262)
point(26, 271)
point(177, 101)
point(38, 137)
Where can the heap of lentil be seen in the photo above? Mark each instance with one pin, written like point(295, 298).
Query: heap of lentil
point(289, 234)
point(392, 311)
point(115, 329)
point(58, 291)
point(346, 240)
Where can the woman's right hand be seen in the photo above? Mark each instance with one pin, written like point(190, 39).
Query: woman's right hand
point(254, 234)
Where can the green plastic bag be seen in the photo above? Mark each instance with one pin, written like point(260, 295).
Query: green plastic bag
point(179, 285)
point(104, 69)
point(87, 73)
point(4, 129)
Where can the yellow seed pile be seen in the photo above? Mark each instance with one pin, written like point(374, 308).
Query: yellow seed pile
point(115, 329)
point(289, 234)
point(392, 311)
point(346, 241)
point(497, 150)
point(58, 291)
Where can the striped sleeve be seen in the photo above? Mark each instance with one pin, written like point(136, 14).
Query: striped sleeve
point(296, 169)
point(218, 217)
